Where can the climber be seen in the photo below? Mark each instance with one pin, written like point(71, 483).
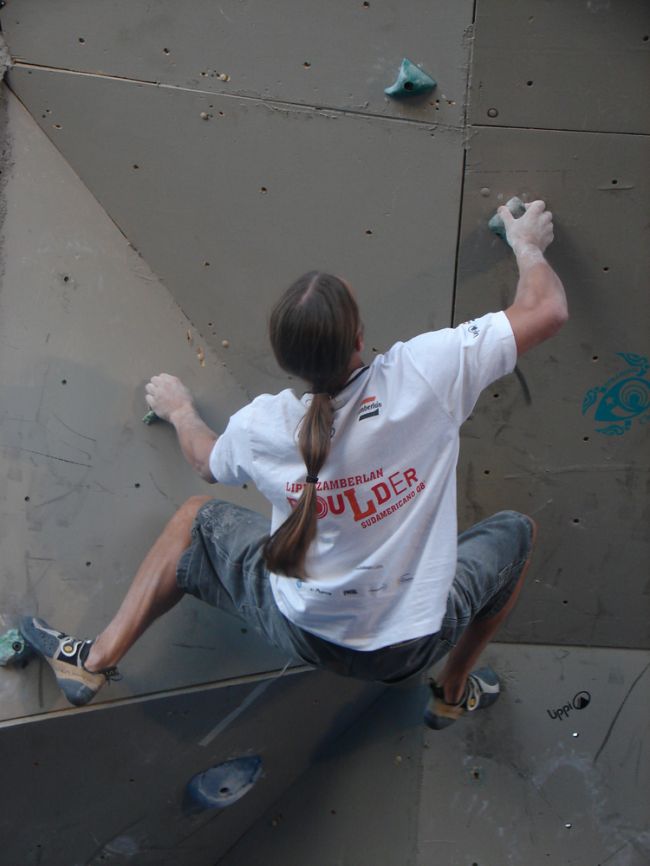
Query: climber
point(360, 570)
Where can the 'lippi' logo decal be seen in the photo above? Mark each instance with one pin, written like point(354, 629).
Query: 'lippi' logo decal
point(580, 702)
point(622, 398)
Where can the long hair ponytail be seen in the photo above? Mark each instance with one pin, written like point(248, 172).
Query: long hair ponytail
point(313, 330)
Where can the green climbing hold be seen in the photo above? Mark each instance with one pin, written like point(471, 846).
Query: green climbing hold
point(150, 417)
point(411, 80)
point(14, 649)
point(516, 207)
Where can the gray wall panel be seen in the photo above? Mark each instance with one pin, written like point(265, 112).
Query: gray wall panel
point(106, 784)
point(587, 489)
point(529, 785)
point(558, 65)
point(358, 804)
point(263, 193)
point(352, 49)
point(499, 788)
point(85, 487)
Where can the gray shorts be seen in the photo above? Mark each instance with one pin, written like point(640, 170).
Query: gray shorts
point(224, 567)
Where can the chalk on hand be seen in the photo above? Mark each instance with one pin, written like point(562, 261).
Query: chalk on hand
point(516, 207)
point(150, 417)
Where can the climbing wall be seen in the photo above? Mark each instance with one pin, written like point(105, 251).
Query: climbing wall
point(566, 440)
point(556, 773)
point(167, 170)
point(173, 779)
point(86, 488)
point(234, 161)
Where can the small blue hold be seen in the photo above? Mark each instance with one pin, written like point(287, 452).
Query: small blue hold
point(517, 209)
point(411, 81)
point(222, 785)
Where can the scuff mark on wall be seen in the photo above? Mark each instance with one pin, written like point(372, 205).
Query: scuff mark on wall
point(250, 699)
point(5, 57)
point(618, 713)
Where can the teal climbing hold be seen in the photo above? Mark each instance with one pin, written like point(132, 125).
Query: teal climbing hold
point(516, 207)
point(411, 80)
point(150, 417)
point(14, 649)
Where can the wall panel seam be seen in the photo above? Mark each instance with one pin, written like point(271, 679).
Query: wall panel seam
point(273, 103)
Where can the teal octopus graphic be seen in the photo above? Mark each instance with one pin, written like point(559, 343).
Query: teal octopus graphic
point(622, 398)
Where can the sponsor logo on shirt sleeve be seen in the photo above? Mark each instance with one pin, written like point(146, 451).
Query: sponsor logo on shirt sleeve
point(472, 328)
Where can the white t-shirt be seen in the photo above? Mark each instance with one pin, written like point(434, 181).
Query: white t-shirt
point(384, 556)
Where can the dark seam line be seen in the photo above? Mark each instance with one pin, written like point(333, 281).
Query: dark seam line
point(430, 124)
point(554, 129)
point(458, 241)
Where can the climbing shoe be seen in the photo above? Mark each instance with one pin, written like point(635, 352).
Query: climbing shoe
point(66, 656)
point(481, 691)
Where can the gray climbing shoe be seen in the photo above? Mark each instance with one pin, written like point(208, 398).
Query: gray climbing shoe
point(66, 656)
point(481, 691)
